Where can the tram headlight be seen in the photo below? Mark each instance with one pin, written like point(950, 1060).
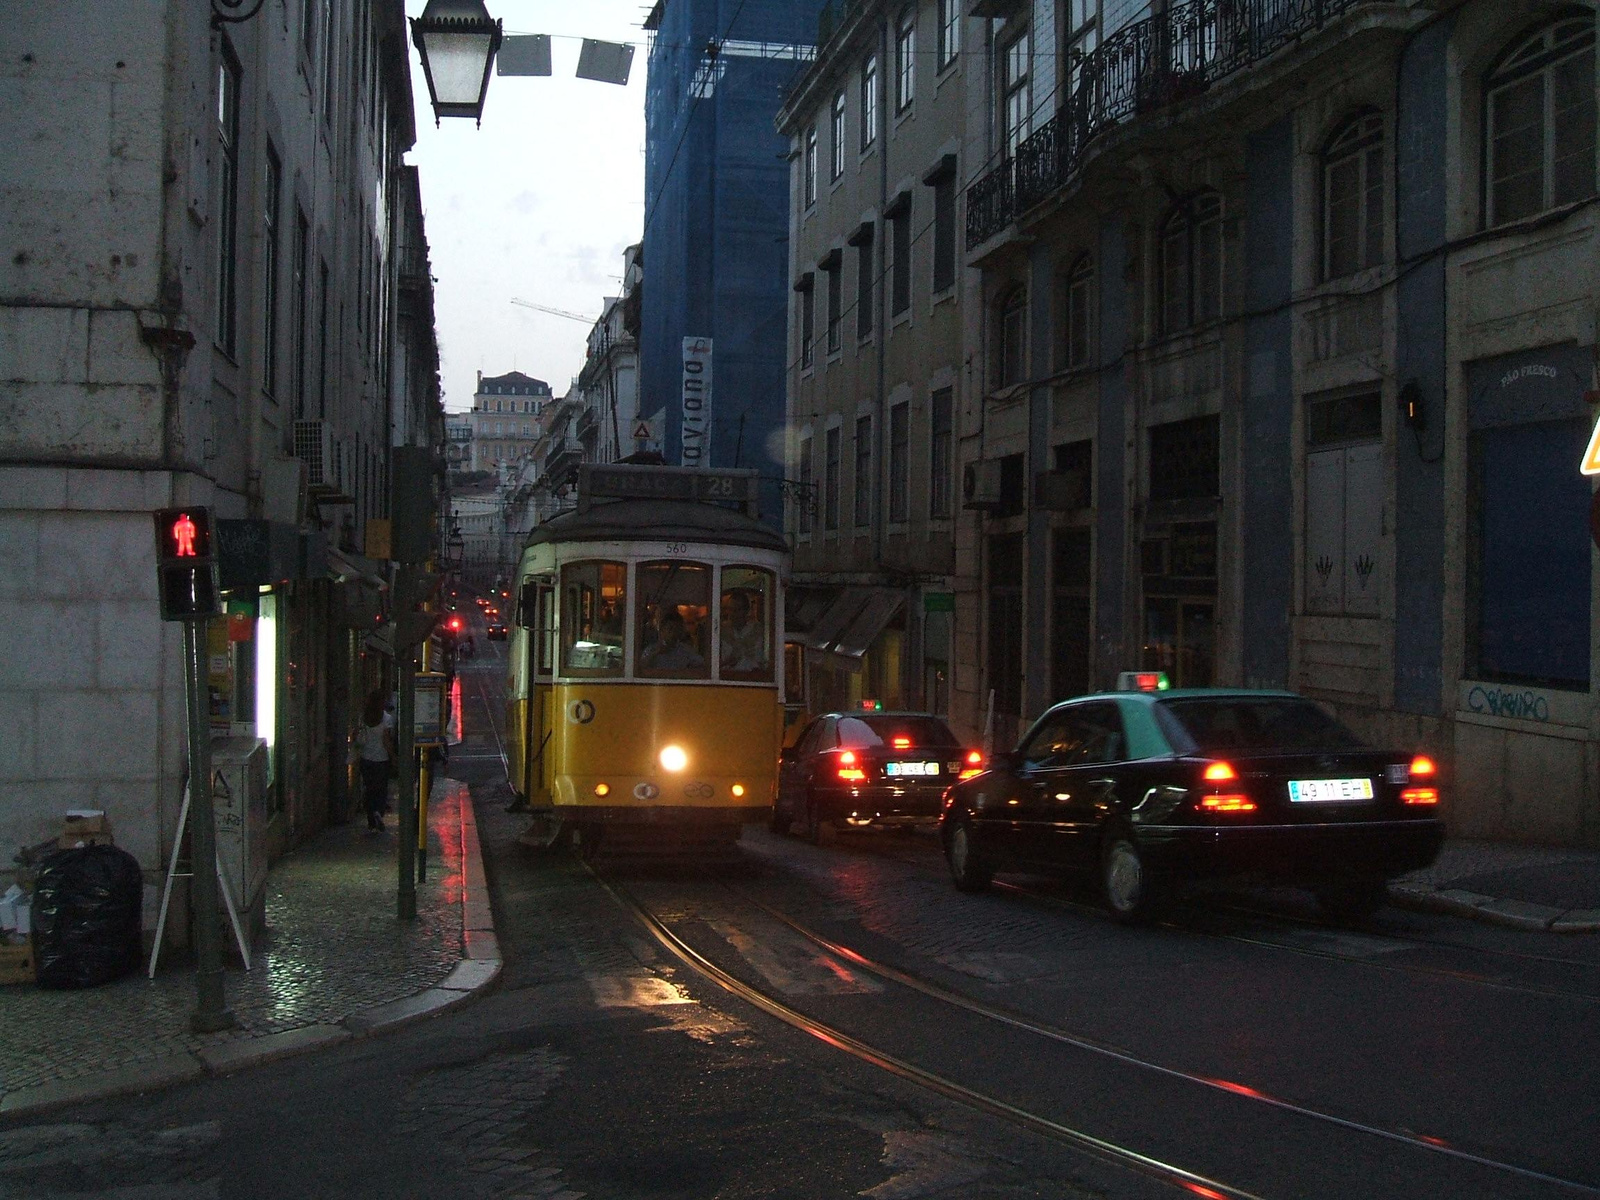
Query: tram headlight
point(673, 758)
point(738, 790)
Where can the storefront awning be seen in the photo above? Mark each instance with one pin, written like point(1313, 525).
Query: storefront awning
point(853, 621)
point(345, 567)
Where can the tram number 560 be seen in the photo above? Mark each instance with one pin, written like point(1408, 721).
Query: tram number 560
point(677, 547)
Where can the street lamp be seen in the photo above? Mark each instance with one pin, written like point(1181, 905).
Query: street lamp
point(457, 40)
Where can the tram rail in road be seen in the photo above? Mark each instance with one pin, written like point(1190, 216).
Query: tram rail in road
point(1475, 1170)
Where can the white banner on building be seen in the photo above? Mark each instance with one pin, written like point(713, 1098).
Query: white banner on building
point(697, 402)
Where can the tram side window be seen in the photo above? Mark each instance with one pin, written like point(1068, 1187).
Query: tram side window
point(674, 630)
point(745, 640)
point(594, 596)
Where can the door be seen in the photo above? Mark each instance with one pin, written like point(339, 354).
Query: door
point(539, 668)
point(794, 773)
point(1078, 790)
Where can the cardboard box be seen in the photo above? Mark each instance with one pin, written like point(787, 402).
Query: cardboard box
point(85, 820)
point(16, 963)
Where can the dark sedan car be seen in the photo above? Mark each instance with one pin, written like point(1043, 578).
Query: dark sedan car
point(869, 768)
point(496, 630)
point(1151, 789)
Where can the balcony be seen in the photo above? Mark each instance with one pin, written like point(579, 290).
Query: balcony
point(1161, 61)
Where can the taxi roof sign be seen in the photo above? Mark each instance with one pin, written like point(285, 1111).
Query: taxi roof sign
point(1142, 681)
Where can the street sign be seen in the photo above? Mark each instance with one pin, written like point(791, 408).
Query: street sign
point(1591, 456)
point(186, 564)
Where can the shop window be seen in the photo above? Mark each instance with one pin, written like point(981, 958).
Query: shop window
point(1529, 619)
point(1070, 634)
point(1005, 622)
point(1183, 460)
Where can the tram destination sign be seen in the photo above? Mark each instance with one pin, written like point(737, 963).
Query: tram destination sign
point(628, 482)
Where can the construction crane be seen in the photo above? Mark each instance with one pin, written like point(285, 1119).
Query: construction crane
point(555, 312)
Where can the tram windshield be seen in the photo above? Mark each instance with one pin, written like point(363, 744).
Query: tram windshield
point(744, 643)
point(673, 630)
point(594, 597)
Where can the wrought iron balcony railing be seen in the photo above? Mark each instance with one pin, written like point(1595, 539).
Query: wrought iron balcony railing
point(1150, 64)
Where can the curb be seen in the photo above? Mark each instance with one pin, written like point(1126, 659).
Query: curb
point(1512, 914)
point(477, 971)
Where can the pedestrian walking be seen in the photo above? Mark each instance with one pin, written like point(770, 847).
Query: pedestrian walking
point(377, 757)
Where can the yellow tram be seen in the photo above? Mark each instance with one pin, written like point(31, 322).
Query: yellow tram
point(645, 689)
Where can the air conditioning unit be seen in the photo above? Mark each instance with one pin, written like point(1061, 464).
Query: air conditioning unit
point(980, 485)
point(313, 445)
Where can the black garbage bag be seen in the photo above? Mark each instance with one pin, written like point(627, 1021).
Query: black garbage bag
point(86, 915)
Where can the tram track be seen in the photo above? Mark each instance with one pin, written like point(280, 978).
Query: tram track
point(1158, 1167)
point(1150, 1166)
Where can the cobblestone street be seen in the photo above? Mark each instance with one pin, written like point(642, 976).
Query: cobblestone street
point(332, 945)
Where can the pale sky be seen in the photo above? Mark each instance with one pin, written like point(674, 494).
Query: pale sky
point(539, 203)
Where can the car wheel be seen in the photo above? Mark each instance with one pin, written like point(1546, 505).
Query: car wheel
point(1131, 893)
point(1353, 899)
point(967, 867)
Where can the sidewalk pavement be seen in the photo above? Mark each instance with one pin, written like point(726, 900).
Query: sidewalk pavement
point(336, 963)
point(1523, 887)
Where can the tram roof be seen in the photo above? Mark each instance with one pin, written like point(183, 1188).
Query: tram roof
point(658, 520)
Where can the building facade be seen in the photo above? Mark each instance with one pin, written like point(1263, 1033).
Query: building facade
point(505, 418)
point(876, 377)
point(1287, 332)
point(1274, 366)
point(217, 293)
point(716, 189)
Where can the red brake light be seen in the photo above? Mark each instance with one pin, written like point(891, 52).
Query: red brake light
point(1422, 765)
point(975, 758)
point(902, 743)
point(973, 764)
point(1420, 795)
point(848, 758)
point(1227, 804)
point(1219, 772)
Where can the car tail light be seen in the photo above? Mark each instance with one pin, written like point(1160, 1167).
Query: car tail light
point(973, 764)
point(902, 743)
point(1230, 803)
point(1422, 765)
point(1219, 772)
point(848, 769)
point(1420, 795)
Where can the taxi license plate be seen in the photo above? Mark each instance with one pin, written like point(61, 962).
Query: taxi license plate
point(913, 768)
point(1325, 791)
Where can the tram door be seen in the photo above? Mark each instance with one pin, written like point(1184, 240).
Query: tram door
point(539, 615)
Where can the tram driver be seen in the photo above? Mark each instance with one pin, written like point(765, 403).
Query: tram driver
point(672, 650)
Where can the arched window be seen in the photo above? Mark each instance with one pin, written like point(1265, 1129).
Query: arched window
point(1011, 319)
point(1352, 197)
point(1191, 263)
point(1075, 315)
point(1539, 110)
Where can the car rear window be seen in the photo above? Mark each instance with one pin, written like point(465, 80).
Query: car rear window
point(1242, 723)
point(869, 733)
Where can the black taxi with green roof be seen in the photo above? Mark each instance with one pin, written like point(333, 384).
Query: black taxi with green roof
point(1149, 788)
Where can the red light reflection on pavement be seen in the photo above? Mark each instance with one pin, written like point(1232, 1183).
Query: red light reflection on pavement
point(1200, 1189)
point(445, 838)
point(1238, 1089)
point(452, 731)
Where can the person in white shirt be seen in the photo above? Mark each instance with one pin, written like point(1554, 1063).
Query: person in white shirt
point(377, 751)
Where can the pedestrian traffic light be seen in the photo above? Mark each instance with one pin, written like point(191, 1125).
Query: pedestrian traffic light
point(186, 565)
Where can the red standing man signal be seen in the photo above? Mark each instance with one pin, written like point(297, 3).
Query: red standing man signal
point(183, 531)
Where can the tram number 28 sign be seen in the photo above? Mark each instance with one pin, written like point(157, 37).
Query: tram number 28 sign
point(186, 564)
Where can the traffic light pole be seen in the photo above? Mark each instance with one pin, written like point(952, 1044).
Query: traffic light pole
point(212, 1015)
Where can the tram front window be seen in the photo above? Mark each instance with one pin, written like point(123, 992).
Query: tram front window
point(673, 631)
point(594, 595)
point(745, 641)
